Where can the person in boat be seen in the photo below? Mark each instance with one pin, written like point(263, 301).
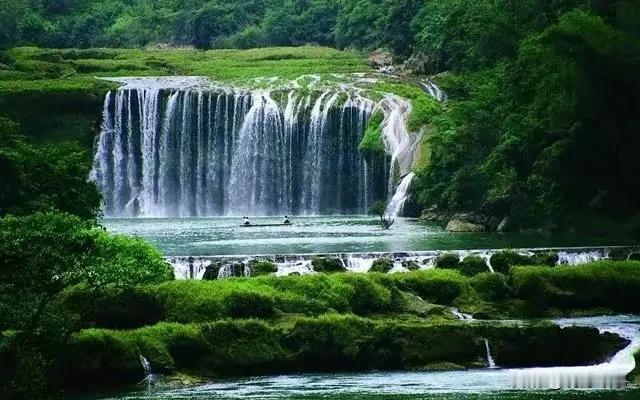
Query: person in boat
point(245, 221)
point(286, 220)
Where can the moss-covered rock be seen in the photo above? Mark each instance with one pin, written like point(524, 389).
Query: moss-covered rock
point(372, 139)
point(410, 265)
point(262, 267)
point(472, 265)
point(328, 265)
point(448, 261)
point(503, 260)
point(491, 287)
point(382, 265)
point(326, 343)
point(211, 272)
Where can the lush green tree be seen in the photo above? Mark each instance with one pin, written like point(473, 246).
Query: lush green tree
point(44, 177)
point(41, 256)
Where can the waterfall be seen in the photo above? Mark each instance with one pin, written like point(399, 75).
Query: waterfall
point(434, 91)
point(608, 375)
point(490, 362)
point(146, 365)
point(396, 205)
point(149, 378)
point(461, 316)
point(179, 147)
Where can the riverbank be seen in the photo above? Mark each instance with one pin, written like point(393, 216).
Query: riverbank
point(346, 322)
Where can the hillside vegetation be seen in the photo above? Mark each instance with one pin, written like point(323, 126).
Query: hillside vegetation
point(540, 126)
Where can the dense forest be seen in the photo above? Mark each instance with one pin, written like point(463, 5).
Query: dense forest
point(543, 113)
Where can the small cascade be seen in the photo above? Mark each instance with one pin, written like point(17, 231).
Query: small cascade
point(234, 270)
point(149, 377)
point(396, 205)
point(359, 264)
point(194, 267)
point(490, 362)
point(460, 315)
point(581, 257)
point(608, 375)
point(434, 91)
point(401, 145)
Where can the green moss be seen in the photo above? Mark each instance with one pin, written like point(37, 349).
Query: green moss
point(326, 343)
point(473, 265)
point(328, 265)
point(423, 107)
point(382, 265)
point(503, 260)
point(372, 139)
point(491, 286)
point(448, 261)
point(262, 267)
point(73, 66)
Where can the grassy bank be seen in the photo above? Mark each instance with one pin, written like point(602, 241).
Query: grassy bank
point(35, 68)
point(325, 343)
point(601, 287)
point(340, 322)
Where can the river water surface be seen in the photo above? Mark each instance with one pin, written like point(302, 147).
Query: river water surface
point(326, 234)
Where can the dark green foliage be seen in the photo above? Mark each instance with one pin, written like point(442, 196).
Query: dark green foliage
point(613, 285)
point(473, 265)
point(382, 265)
point(410, 265)
point(551, 78)
point(549, 259)
point(503, 260)
point(328, 265)
point(491, 286)
point(327, 343)
point(245, 304)
point(262, 267)
point(448, 260)
point(43, 254)
point(44, 177)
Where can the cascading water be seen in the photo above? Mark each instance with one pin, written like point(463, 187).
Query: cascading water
point(491, 364)
point(401, 145)
point(399, 199)
point(608, 375)
point(181, 147)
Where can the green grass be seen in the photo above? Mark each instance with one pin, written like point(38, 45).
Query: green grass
point(324, 343)
point(69, 68)
point(532, 291)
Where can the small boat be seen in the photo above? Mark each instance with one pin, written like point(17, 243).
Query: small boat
point(262, 225)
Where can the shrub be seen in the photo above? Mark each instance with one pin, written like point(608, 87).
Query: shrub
point(328, 265)
point(382, 265)
point(448, 260)
point(125, 262)
point(410, 265)
point(491, 287)
point(549, 259)
point(245, 304)
point(614, 285)
point(262, 267)
point(473, 265)
point(503, 260)
point(436, 286)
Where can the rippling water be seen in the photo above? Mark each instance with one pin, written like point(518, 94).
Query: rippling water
point(461, 385)
point(327, 234)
